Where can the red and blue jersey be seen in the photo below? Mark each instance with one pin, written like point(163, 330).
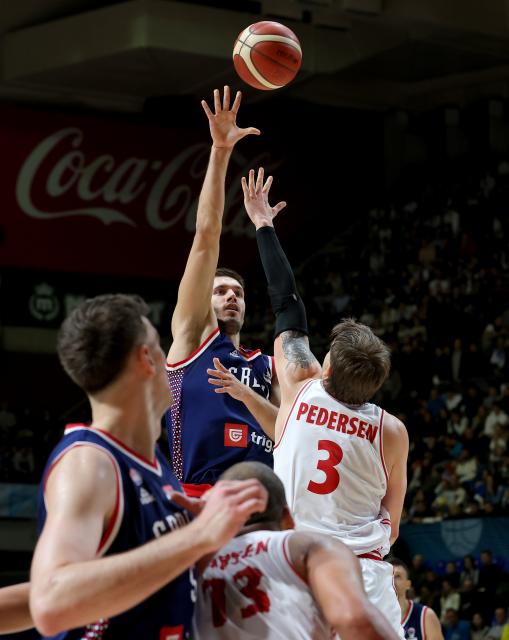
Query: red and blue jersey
point(414, 623)
point(143, 511)
point(208, 432)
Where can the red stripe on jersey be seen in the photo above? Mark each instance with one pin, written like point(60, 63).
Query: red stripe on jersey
point(153, 464)
point(249, 355)
point(286, 554)
point(195, 490)
point(371, 555)
point(381, 445)
point(423, 622)
point(113, 524)
point(408, 612)
point(291, 410)
point(202, 347)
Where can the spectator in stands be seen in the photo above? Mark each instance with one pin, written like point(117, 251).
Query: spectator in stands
point(449, 600)
point(470, 572)
point(417, 571)
point(455, 629)
point(479, 628)
point(471, 600)
point(466, 466)
point(490, 574)
point(495, 417)
point(452, 575)
point(498, 624)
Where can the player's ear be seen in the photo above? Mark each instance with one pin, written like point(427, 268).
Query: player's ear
point(326, 367)
point(145, 360)
point(287, 521)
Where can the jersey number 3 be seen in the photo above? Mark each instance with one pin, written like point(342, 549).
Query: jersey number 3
point(328, 466)
point(247, 580)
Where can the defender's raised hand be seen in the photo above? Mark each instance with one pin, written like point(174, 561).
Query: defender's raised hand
point(223, 127)
point(256, 199)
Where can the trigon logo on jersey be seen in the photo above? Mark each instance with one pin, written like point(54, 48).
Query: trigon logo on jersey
point(235, 435)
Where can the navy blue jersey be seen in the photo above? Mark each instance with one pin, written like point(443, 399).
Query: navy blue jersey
point(207, 431)
point(413, 622)
point(142, 512)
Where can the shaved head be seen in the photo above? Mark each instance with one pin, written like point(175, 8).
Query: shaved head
point(267, 477)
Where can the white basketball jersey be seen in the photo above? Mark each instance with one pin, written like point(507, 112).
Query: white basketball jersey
point(330, 460)
point(251, 590)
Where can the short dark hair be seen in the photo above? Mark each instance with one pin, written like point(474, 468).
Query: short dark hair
point(95, 340)
point(274, 486)
point(223, 272)
point(360, 362)
point(396, 562)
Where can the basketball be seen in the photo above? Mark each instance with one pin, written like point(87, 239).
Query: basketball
point(267, 55)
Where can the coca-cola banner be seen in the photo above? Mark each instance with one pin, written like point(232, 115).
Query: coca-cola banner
point(105, 195)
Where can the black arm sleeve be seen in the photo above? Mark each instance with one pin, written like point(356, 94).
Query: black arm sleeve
point(286, 302)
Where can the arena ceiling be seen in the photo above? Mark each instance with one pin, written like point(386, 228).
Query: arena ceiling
point(365, 53)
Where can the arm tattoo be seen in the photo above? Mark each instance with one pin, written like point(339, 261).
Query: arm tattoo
point(296, 349)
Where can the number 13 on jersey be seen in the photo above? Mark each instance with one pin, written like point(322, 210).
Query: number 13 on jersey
point(328, 466)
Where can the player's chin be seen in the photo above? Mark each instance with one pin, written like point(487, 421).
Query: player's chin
point(230, 326)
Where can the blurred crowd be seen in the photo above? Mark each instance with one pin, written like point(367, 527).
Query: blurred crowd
point(469, 596)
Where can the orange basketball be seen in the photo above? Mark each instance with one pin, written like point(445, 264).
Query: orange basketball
point(267, 55)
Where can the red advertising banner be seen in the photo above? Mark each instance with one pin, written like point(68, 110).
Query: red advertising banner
point(103, 195)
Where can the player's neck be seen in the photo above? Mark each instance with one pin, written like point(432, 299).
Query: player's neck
point(259, 526)
point(404, 604)
point(129, 421)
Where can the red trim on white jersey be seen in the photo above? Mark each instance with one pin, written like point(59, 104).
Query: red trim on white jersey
point(302, 389)
point(386, 521)
point(381, 444)
point(153, 466)
point(115, 521)
point(371, 555)
point(408, 612)
point(195, 354)
point(286, 553)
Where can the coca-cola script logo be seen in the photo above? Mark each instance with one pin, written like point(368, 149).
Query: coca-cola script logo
point(133, 191)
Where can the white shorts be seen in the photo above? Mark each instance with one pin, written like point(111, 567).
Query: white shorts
point(379, 585)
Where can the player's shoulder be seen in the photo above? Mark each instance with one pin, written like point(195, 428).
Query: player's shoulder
point(395, 435)
point(393, 425)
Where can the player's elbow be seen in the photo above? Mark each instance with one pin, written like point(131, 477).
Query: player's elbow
point(356, 622)
point(207, 230)
point(46, 615)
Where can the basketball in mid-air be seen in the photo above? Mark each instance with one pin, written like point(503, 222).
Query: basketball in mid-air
point(267, 55)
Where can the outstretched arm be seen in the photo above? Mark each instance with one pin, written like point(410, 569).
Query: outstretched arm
point(193, 318)
point(14, 611)
point(295, 362)
point(335, 579)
